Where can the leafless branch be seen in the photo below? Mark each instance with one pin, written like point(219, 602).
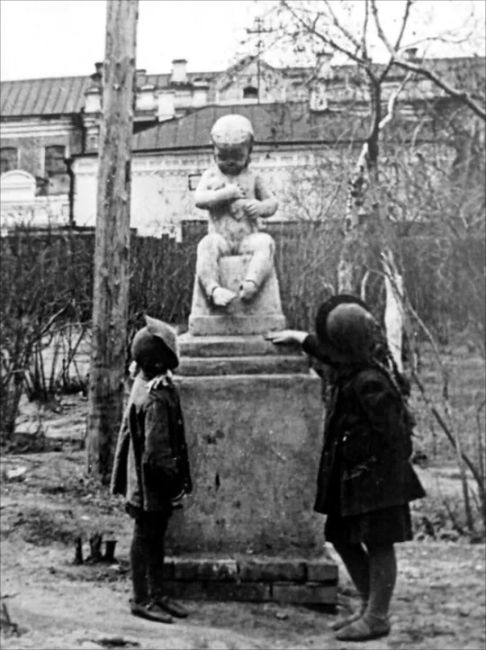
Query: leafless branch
point(379, 28)
point(410, 66)
point(461, 95)
point(327, 40)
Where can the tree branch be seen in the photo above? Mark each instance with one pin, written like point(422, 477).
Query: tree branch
point(462, 95)
point(327, 39)
point(381, 33)
point(399, 61)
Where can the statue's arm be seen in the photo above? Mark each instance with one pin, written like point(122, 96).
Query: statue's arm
point(268, 203)
point(207, 198)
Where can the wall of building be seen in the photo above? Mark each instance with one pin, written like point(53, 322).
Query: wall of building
point(309, 182)
point(31, 136)
point(163, 185)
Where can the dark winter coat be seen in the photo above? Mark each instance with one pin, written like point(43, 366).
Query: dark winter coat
point(365, 463)
point(151, 464)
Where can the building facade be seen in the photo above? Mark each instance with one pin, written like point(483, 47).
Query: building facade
point(49, 133)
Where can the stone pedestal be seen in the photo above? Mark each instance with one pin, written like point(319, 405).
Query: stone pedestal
point(254, 443)
point(254, 421)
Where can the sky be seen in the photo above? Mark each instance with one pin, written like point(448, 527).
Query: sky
point(53, 38)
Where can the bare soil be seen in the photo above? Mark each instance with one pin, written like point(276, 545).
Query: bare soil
point(47, 501)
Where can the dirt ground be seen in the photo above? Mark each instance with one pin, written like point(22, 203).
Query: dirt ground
point(53, 603)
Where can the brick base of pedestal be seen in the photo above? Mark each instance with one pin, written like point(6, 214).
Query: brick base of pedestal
point(298, 581)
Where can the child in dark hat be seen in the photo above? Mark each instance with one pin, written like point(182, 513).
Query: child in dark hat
point(365, 480)
point(151, 467)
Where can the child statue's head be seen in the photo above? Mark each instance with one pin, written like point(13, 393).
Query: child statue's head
point(232, 139)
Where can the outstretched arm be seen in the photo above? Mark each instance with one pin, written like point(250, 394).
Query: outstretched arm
point(286, 337)
point(309, 343)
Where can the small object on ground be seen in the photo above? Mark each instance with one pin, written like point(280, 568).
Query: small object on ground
point(95, 542)
point(78, 551)
point(116, 642)
point(172, 607)
point(16, 474)
point(282, 616)
point(150, 611)
point(109, 555)
point(361, 630)
point(7, 626)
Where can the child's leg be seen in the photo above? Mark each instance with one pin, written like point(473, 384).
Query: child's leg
point(138, 564)
point(155, 535)
point(383, 576)
point(142, 558)
point(356, 561)
point(155, 528)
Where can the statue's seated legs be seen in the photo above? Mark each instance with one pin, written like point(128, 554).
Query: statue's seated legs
point(209, 251)
point(259, 247)
point(247, 277)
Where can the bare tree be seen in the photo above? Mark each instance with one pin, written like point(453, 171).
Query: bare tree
point(444, 189)
point(368, 239)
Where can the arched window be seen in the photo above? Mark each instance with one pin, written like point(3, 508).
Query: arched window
point(250, 92)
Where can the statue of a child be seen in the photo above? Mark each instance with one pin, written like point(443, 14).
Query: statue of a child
point(235, 197)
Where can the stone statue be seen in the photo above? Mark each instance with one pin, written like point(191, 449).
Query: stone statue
point(236, 197)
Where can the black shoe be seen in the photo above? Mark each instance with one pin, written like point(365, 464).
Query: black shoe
point(151, 611)
point(172, 607)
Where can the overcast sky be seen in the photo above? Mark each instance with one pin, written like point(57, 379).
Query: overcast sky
point(49, 38)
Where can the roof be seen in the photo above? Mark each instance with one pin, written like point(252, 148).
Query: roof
point(54, 96)
point(273, 123)
point(65, 95)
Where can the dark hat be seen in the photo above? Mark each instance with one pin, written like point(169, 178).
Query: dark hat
point(146, 342)
point(345, 323)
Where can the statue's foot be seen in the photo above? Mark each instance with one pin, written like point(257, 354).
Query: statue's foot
point(248, 289)
point(222, 297)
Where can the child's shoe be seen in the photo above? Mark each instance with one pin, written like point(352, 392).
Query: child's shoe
point(342, 621)
point(345, 620)
point(364, 629)
point(172, 607)
point(151, 611)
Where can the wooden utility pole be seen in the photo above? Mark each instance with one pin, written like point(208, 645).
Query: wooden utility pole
point(112, 247)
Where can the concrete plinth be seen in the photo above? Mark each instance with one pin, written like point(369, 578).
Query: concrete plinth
point(254, 444)
point(236, 355)
point(260, 315)
point(254, 421)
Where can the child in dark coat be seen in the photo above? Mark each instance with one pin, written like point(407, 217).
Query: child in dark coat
point(151, 467)
point(365, 480)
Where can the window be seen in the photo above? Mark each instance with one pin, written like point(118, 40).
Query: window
point(54, 160)
point(9, 159)
point(250, 92)
point(193, 181)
